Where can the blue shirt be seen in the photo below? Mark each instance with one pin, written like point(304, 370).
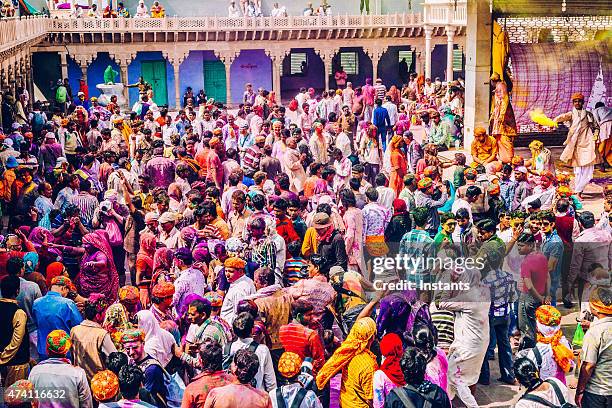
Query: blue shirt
point(552, 247)
point(54, 312)
point(380, 118)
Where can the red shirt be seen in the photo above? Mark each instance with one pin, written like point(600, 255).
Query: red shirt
point(535, 267)
point(284, 228)
point(304, 342)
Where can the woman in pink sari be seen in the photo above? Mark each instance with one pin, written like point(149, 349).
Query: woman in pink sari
point(144, 265)
point(98, 272)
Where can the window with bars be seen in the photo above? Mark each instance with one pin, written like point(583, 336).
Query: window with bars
point(407, 55)
point(299, 63)
point(349, 62)
point(457, 60)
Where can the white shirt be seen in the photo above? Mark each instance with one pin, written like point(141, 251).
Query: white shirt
point(461, 203)
point(392, 109)
point(344, 144)
point(265, 378)
point(170, 239)
point(386, 196)
point(233, 11)
point(238, 290)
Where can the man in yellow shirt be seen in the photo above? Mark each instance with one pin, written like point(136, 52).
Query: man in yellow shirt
point(484, 148)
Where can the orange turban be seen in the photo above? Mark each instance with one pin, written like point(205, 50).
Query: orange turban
point(480, 131)
point(601, 301)
point(104, 385)
point(213, 142)
point(234, 262)
point(577, 95)
point(424, 183)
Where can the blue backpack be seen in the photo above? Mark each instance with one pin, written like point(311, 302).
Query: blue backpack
point(37, 122)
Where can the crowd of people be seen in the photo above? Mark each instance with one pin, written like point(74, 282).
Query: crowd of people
point(220, 258)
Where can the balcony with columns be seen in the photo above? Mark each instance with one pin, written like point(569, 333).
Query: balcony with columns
point(185, 44)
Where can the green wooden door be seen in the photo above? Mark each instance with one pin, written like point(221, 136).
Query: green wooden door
point(154, 72)
point(214, 80)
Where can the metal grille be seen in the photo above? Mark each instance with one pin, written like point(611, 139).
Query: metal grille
point(555, 29)
point(349, 62)
point(298, 59)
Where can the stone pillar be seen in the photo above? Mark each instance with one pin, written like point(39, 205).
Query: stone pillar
point(227, 57)
point(418, 61)
point(177, 84)
point(375, 53)
point(327, 55)
point(428, 50)
point(450, 35)
point(30, 78)
point(124, 60)
point(477, 68)
point(277, 57)
point(64, 63)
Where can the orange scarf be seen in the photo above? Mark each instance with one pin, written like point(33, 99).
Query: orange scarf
point(562, 355)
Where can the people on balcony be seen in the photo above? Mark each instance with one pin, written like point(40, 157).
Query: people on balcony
point(232, 10)
point(157, 10)
point(122, 11)
point(141, 10)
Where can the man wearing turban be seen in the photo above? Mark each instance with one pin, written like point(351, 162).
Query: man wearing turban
point(593, 389)
point(241, 286)
point(58, 373)
point(580, 146)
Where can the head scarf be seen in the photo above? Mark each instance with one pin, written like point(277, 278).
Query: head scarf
point(116, 321)
point(31, 262)
point(391, 348)
point(536, 145)
point(355, 343)
point(37, 237)
point(58, 342)
point(188, 234)
point(163, 259)
point(424, 183)
point(289, 364)
point(148, 243)
point(601, 301)
point(548, 322)
point(53, 269)
point(201, 253)
point(104, 385)
point(577, 95)
point(399, 207)
point(99, 240)
point(234, 262)
point(395, 141)
point(163, 290)
point(158, 342)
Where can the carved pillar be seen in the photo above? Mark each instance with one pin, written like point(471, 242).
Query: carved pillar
point(29, 78)
point(327, 55)
point(11, 79)
point(176, 59)
point(227, 57)
point(124, 60)
point(428, 50)
point(375, 53)
point(418, 60)
point(450, 36)
point(64, 64)
point(277, 57)
point(84, 60)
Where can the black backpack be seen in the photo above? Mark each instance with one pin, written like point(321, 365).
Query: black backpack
point(297, 401)
point(548, 404)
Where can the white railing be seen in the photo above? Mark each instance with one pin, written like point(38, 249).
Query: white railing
point(445, 12)
point(63, 25)
point(15, 31)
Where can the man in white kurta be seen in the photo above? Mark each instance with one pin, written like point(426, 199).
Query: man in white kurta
point(293, 165)
point(467, 352)
point(579, 149)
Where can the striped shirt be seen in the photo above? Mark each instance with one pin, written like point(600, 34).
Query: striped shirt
point(380, 90)
point(87, 203)
point(295, 270)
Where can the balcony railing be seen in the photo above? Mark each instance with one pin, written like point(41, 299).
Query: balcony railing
point(118, 25)
point(15, 31)
point(445, 12)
